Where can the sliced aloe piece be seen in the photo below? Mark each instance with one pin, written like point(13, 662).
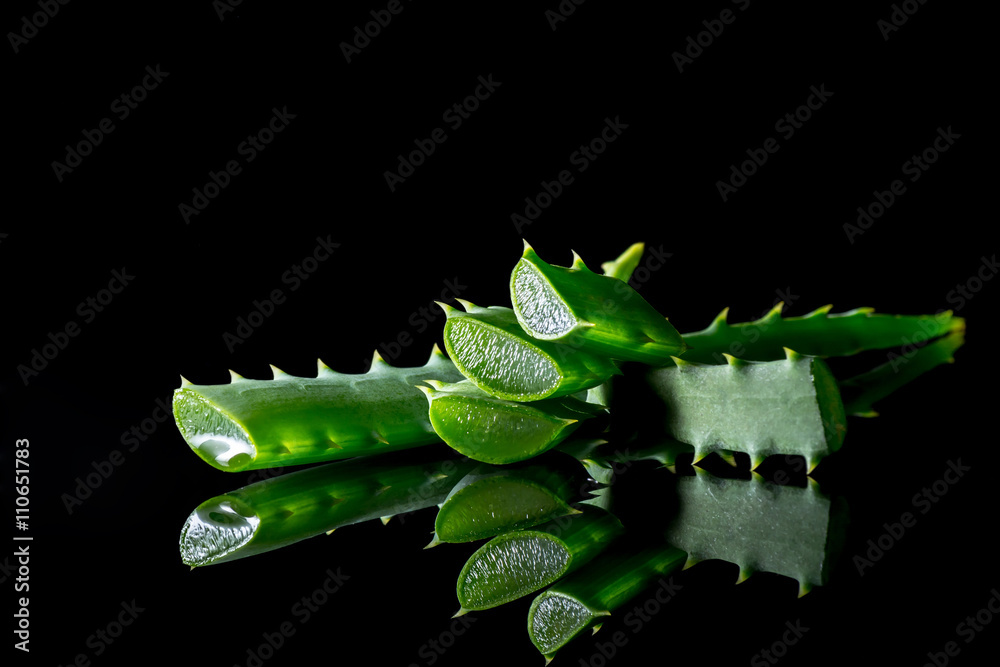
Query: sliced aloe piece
point(278, 512)
point(761, 527)
point(490, 501)
point(290, 420)
point(790, 406)
point(490, 348)
point(521, 562)
point(599, 313)
point(583, 599)
point(494, 430)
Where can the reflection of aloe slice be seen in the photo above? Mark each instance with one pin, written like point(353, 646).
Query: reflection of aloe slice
point(762, 527)
point(582, 600)
point(494, 430)
point(520, 562)
point(281, 511)
point(862, 391)
point(489, 501)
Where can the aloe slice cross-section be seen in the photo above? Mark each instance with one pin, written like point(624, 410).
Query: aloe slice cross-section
point(520, 562)
point(491, 349)
point(585, 598)
point(600, 313)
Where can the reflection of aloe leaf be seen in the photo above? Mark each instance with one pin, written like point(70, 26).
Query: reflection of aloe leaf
point(281, 511)
point(862, 391)
point(789, 406)
point(290, 420)
point(762, 527)
point(494, 430)
point(490, 500)
point(601, 458)
point(581, 600)
point(520, 562)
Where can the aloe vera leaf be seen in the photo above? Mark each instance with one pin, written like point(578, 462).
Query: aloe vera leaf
point(794, 531)
point(625, 264)
point(818, 333)
point(862, 391)
point(598, 313)
point(583, 599)
point(494, 430)
point(283, 510)
point(621, 268)
point(789, 406)
point(491, 500)
point(491, 349)
point(521, 562)
point(289, 420)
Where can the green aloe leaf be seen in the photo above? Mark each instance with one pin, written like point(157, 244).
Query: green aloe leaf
point(598, 313)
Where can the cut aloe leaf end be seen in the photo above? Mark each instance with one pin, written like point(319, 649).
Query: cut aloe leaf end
point(582, 600)
point(518, 563)
point(251, 424)
point(491, 349)
point(494, 430)
point(598, 313)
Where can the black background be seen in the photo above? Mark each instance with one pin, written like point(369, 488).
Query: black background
point(450, 224)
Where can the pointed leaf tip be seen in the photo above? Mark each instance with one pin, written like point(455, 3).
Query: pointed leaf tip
point(185, 382)
point(461, 612)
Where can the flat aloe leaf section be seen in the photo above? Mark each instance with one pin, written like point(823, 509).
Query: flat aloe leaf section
point(521, 562)
point(818, 333)
point(278, 512)
point(598, 313)
point(791, 406)
point(491, 349)
point(492, 500)
point(289, 420)
point(494, 430)
point(583, 599)
point(794, 531)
